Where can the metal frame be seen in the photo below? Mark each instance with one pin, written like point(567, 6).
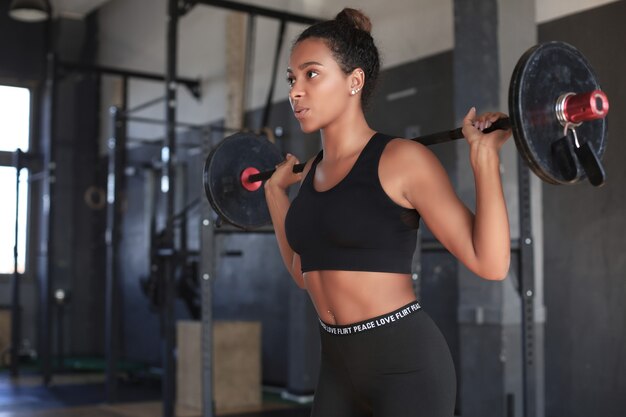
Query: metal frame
point(526, 275)
point(206, 269)
point(54, 70)
point(116, 191)
point(254, 10)
point(192, 85)
point(168, 182)
point(20, 160)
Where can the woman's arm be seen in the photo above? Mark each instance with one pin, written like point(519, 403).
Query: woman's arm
point(278, 204)
point(491, 233)
point(481, 241)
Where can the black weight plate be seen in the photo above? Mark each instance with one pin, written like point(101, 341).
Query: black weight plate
point(222, 183)
point(542, 74)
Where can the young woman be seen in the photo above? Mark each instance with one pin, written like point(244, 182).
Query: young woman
point(349, 235)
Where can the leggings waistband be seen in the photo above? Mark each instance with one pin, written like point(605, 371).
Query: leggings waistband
point(372, 323)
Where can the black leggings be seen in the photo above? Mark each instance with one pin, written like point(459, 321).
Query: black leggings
point(395, 365)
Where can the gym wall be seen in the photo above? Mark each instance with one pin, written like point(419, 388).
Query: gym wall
point(584, 232)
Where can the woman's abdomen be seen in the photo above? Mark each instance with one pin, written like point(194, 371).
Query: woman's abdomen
point(345, 297)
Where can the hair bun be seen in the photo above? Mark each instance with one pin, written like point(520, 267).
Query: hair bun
point(354, 18)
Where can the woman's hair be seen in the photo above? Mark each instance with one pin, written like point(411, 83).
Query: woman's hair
point(349, 39)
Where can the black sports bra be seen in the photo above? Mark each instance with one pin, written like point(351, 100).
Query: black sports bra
point(353, 226)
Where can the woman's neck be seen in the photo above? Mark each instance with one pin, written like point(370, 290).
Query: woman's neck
point(345, 137)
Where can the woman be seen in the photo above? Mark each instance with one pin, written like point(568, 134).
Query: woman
point(349, 235)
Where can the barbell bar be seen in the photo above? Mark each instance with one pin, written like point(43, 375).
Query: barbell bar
point(571, 109)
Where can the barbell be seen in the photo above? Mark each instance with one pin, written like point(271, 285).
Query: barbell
point(557, 112)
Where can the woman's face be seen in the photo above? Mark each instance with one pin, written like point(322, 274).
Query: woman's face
point(320, 90)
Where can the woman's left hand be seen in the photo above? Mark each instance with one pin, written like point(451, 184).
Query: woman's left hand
point(474, 125)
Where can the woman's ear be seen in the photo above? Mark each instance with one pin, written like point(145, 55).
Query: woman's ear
point(357, 80)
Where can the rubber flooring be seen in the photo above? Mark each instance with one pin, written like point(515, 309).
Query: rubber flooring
point(84, 396)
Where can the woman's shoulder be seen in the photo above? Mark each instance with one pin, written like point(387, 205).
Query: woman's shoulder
point(407, 156)
point(401, 149)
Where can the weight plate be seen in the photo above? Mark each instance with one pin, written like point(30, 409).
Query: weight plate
point(222, 179)
point(541, 76)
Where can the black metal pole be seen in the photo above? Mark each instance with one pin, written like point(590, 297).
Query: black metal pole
point(261, 11)
point(270, 92)
point(250, 53)
point(168, 157)
point(207, 276)
point(111, 359)
point(60, 331)
point(145, 105)
point(15, 281)
point(116, 184)
point(192, 85)
point(527, 293)
point(182, 215)
point(45, 248)
point(147, 120)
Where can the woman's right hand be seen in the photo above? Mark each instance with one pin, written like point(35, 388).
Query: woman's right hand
point(284, 176)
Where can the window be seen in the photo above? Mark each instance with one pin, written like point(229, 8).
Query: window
point(14, 134)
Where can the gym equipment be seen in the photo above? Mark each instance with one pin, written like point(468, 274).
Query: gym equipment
point(557, 115)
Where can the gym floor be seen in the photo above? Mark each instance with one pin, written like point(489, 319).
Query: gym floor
point(83, 395)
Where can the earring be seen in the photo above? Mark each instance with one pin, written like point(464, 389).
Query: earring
point(354, 91)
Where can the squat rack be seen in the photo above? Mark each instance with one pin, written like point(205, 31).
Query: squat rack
point(55, 70)
point(177, 9)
